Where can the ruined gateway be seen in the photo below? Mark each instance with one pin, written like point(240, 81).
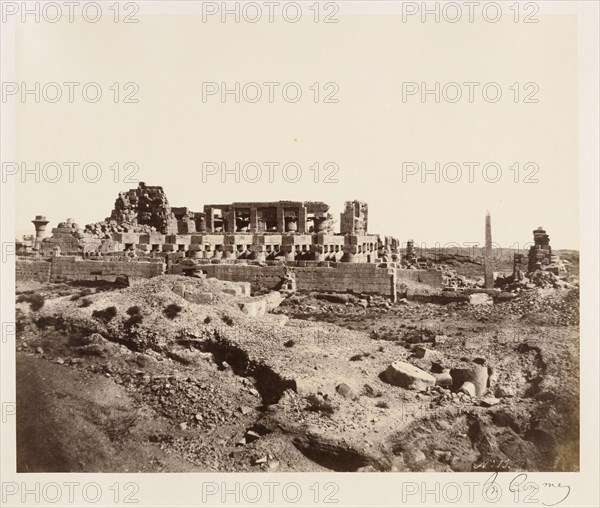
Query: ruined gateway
point(251, 337)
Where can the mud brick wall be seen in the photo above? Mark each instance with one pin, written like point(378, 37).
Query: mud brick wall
point(71, 268)
point(33, 270)
point(432, 278)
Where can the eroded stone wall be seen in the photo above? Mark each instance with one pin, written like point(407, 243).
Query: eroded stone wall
point(33, 270)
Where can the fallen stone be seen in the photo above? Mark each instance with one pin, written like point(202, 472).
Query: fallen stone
point(200, 298)
point(489, 401)
point(422, 352)
point(345, 391)
point(505, 296)
point(183, 425)
point(179, 289)
point(480, 299)
point(245, 410)
point(468, 388)
point(39, 350)
point(476, 374)
point(336, 298)
point(251, 436)
point(442, 378)
point(261, 460)
point(59, 360)
point(408, 376)
point(254, 308)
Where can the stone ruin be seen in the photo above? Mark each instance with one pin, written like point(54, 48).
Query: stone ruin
point(540, 253)
point(141, 210)
point(544, 269)
point(143, 224)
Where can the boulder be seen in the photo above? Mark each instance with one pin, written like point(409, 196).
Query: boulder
point(408, 376)
point(345, 391)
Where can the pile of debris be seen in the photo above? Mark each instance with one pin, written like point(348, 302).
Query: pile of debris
point(451, 278)
point(427, 371)
point(545, 279)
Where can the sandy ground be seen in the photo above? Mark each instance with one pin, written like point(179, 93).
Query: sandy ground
point(206, 387)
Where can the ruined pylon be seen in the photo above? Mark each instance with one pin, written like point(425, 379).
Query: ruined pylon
point(488, 264)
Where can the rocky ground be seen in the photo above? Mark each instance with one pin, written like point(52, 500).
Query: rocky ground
point(146, 378)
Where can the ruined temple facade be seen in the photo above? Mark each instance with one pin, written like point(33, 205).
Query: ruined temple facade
point(540, 253)
point(143, 224)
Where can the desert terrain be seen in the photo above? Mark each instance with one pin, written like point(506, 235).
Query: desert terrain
point(140, 379)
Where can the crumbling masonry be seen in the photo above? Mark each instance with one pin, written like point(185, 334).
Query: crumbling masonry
point(143, 228)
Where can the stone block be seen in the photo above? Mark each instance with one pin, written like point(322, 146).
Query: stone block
point(442, 379)
point(480, 299)
point(477, 374)
point(408, 376)
point(198, 297)
point(254, 308)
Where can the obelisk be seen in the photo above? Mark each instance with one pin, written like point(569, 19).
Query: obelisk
point(488, 264)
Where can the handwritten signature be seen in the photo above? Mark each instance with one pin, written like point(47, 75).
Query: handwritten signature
point(527, 491)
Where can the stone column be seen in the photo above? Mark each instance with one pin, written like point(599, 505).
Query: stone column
point(302, 219)
point(253, 220)
point(231, 221)
point(280, 220)
point(40, 224)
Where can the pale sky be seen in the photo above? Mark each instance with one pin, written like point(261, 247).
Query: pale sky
point(369, 133)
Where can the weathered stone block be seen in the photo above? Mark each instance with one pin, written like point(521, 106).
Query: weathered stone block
point(201, 298)
point(408, 376)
